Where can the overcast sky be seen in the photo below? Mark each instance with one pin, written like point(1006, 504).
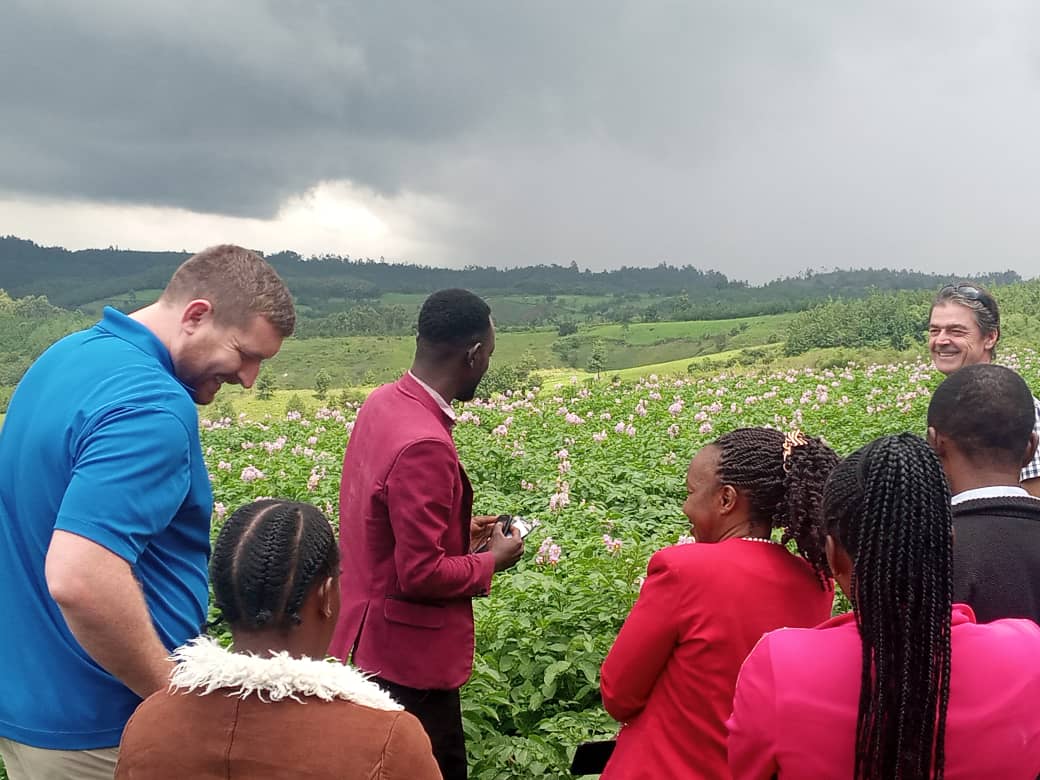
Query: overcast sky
point(759, 139)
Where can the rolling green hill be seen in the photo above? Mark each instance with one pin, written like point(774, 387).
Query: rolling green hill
point(365, 360)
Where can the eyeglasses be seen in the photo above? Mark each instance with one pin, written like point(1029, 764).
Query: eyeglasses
point(970, 292)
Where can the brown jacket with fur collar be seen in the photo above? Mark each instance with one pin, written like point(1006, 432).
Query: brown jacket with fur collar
point(229, 715)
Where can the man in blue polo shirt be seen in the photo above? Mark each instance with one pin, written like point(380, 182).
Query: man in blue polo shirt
point(105, 507)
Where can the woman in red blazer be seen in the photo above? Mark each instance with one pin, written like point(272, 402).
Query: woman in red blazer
point(670, 675)
point(907, 685)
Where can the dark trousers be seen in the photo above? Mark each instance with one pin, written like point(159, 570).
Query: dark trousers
point(440, 713)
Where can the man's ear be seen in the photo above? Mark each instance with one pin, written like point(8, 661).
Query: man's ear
point(195, 313)
point(936, 441)
point(990, 341)
point(471, 353)
point(1030, 448)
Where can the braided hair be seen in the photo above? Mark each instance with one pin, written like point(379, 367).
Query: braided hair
point(266, 559)
point(784, 490)
point(888, 505)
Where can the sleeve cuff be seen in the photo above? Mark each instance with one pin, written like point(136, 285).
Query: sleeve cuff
point(486, 566)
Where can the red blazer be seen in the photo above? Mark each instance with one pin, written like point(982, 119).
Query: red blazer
point(408, 577)
point(671, 673)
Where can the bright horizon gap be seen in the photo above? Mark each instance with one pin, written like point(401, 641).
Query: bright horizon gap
point(334, 217)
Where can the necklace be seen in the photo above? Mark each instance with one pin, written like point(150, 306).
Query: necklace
point(758, 539)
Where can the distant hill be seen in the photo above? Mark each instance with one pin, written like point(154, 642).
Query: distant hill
point(331, 285)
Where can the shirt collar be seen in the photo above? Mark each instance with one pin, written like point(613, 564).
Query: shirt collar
point(990, 491)
point(444, 405)
point(960, 613)
point(133, 332)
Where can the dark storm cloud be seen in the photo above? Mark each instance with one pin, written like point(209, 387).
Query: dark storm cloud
point(758, 138)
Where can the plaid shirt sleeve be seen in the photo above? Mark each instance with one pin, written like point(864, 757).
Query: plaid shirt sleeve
point(1032, 469)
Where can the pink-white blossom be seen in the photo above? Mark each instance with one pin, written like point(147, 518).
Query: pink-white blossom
point(548, 552)
point(251, 473)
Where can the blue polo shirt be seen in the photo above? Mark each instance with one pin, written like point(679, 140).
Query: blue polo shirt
point(101, 440)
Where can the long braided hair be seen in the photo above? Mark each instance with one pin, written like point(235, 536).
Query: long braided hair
point(266, 559)
point(888, 505)
point(784, 489)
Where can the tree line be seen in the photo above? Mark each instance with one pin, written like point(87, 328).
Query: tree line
point(330, 285)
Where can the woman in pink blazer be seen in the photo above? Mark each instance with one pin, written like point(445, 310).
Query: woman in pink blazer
point(670, 675)
point(908, 685)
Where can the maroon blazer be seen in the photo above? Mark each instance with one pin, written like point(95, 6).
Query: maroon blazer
point(408, 576)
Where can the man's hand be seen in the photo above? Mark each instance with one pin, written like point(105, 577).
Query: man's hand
point(507, 550)
point(480, 527)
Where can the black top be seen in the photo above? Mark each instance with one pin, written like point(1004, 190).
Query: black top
point(996, 557)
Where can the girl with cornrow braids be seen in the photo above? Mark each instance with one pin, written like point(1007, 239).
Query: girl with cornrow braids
point(264, 708)
point(670, 675)
point(907, 686)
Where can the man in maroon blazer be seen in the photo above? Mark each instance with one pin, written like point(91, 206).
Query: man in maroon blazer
point(407, 533)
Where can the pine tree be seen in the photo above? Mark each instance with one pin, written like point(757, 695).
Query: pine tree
point(598, 358)
point(265, 385)
point(322, 382)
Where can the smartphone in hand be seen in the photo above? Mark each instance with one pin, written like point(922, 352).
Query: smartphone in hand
point(509, 522)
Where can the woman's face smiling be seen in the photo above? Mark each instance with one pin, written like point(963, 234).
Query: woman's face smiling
point(703, 495)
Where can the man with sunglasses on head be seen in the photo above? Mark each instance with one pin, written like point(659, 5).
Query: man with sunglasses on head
point(963, 330)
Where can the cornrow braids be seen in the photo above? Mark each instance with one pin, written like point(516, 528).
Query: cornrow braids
point(267, 557)
point(888, 505)
point(784, 492)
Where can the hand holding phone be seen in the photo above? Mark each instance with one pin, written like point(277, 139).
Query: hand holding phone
point(509, 522)
point(506, 549)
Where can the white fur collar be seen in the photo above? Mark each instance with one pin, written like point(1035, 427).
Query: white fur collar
point(204, 666)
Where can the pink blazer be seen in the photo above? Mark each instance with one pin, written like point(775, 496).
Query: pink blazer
point(408, 577)
point(794, 712)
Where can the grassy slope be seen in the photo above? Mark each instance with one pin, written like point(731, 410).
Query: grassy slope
point(363, 360)
point(246, 401)
point(661, 342)
point(668, 368)
point(369, 360)
point(142, 298)
point(757, 331)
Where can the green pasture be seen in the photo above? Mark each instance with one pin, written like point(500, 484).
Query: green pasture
point(124, 301)
point(238, 400)
point(747, 330)
point(370, 360)
point(517, 309)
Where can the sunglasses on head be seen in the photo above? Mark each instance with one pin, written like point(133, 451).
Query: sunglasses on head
point(969, 291)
